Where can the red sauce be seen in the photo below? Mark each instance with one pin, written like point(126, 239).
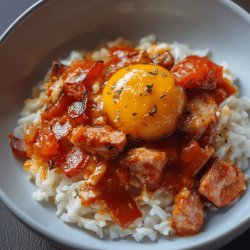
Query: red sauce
point(196, 72)
point(50, 141)
point(117, 199)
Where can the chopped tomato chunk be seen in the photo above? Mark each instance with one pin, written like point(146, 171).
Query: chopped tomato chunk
point(196, 72)
point(58, 108)
point(18, 146)
point(121, 206)
point(94, 72)
point(76, 91)
point(79, 77)
point(77, 72)
point(46, 144)
point(72, 163)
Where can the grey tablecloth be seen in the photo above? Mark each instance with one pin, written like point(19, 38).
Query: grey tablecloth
point(13, 234)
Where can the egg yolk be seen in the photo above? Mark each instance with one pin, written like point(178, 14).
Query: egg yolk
point(144, 102)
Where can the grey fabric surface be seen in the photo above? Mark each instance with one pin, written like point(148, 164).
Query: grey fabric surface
point(13, 234)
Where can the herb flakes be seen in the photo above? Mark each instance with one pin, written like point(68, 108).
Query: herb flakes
point(154, 73)
point(149, 89)
point(153, 111)
point(117, 93)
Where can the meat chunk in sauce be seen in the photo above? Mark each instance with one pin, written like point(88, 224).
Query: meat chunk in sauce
point(103, 141)
point(202, 114)
point(88, 192)
point(165, 59)
point(146, 164)
point(193, 157)
point(222, 183)
point(187, 212)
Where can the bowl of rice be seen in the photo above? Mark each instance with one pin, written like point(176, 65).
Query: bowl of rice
point(125, 124)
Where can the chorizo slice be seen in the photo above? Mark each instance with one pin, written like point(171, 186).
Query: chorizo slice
point(187, 212)
point(146, 164)
point(103, 141)
point(222, 183)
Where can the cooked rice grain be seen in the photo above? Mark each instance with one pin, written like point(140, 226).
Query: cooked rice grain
point(233, 144)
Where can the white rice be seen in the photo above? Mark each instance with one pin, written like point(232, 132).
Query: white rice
point(155, 207)
point(233, 145)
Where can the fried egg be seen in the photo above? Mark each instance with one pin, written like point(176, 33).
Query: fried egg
point(144, 102)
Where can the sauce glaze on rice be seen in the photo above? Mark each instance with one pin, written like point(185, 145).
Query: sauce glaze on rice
point(157, 209)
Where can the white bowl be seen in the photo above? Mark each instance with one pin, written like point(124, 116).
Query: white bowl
point(51, 29)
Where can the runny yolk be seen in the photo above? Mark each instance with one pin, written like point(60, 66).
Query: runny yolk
point(144, 102)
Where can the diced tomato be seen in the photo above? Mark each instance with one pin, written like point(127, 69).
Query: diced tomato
point(121, 206)
point(82, 76)
point(94, 72)
point(18, 146)
point(75, 91)
point(58, 108)
point(78, 71)
point(196, 72)
point(192, 158)
point(46, 144)
point(72, 162)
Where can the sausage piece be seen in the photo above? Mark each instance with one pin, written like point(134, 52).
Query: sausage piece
point(103, 141)
point(146, 164)
point(187, 212)
point(222, 183)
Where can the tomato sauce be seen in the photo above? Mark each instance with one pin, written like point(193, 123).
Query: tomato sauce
point(50, 140)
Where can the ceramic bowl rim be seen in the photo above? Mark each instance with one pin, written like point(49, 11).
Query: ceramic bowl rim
point(33, 224)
